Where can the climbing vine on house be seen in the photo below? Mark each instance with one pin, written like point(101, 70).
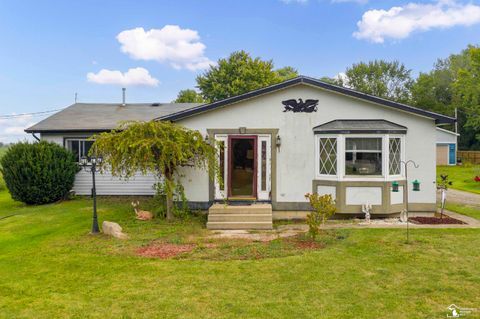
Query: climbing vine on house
point(155, 146)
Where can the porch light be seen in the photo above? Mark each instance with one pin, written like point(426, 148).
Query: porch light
point(416, 185)
point(279, 141)
point(395, 187)
point(83, 161)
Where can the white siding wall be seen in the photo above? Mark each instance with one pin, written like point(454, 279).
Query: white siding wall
point(445, 137)
point(295, 159)
point(106, 183)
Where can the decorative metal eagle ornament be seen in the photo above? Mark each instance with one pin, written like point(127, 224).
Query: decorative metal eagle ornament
point(308, 106)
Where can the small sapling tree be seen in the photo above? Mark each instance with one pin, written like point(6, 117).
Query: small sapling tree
point(323, 208)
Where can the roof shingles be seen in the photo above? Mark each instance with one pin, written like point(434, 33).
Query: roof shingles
point(104, 117)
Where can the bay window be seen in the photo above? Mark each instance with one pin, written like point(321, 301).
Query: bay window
point(368, 156)
point(363, 156)
point(394, 147)
point(327, 156)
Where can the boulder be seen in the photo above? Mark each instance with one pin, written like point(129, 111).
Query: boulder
point(113, 229)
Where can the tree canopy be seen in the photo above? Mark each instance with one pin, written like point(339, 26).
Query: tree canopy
point(155, 146)
point(389, 80)
point(445, 88)
point(189, 96)
point(467, 90)
point(238, 74)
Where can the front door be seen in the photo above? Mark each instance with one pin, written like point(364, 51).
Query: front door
point(242, 166)
point(245, 166)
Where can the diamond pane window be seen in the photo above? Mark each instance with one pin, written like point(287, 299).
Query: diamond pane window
point(394, 156)
point(328, 156)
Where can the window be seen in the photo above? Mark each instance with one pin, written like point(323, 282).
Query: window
point(264, 166)
point(394, 155)
point(363, 156)
point(221, 145)
point(79, 147)
point(327, 156)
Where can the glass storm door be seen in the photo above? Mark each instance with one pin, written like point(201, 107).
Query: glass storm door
point(242, 166)
point(245, 166)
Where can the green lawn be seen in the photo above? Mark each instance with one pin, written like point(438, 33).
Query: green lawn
point(462, 176)
point(50, 267)
point(464, 210)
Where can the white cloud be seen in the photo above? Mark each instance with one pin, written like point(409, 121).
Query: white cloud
point(136, 76)
point(400, 22)
point(12, 129)
point(181, 48)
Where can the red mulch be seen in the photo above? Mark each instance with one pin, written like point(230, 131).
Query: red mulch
point(436, 220)
point(305, 245)
point(164, 251)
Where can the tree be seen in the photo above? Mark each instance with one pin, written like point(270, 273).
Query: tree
point(467, 90)
point(238, 74)
point(189, 96)
point(286, 73)
point(323, 208)
point(434, 91)
point(155, 146)
point(389, 80)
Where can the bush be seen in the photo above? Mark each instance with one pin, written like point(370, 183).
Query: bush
point(323, 208)
point(38, 173)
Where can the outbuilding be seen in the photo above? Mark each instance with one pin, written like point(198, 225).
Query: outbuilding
point(446, 147)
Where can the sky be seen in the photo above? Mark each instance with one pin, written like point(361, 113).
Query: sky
point(52, 50)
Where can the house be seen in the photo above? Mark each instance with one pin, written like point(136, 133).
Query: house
point(278, 143)
point(446, 147)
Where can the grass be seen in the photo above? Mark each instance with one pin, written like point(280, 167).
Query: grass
point(462, 176)
point(3, 150)
point(52, 268)
point(464, 210)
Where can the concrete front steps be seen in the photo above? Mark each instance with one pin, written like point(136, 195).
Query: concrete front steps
point(255, 216)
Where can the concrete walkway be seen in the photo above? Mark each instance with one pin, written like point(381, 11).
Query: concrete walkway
point(295, 229)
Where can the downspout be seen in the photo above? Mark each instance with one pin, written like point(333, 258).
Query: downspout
point(36, 137)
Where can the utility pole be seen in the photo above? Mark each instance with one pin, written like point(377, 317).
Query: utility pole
point(456, 120)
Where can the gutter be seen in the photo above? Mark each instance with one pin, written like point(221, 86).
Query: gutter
point(36, 137)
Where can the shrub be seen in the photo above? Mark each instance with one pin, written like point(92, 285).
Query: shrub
point(323, 208)
point(38, 173)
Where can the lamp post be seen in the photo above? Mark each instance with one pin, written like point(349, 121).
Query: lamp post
point(416, 188)
point(92, 168)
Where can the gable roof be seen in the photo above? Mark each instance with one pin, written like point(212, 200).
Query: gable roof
point(98, 117)
point(439, 118)
point(359, 126)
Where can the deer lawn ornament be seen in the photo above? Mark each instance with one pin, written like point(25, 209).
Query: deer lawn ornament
point(141, 214)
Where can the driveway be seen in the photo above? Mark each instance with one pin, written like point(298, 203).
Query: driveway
point(461, 197)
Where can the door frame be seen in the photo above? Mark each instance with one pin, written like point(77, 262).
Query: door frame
point(230, 159)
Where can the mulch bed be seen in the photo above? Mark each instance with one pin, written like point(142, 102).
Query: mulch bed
point(307, 245)
point(304, 244)
point(436, 220)
point(164, 251)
